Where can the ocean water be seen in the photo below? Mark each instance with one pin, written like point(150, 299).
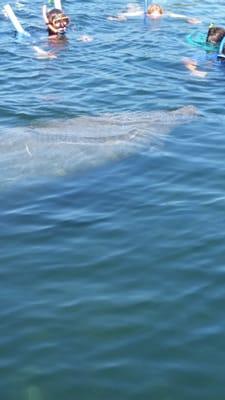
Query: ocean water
point(112, 265)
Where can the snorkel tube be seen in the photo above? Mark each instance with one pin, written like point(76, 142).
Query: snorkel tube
point(145, 6)
point(58, 4)
point(221, 54)
point(44, 13)
point(13, 18)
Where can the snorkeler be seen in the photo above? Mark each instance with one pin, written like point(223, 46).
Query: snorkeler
point(9, 13)
point(56, 21)
point(215, 37)
point(153, 11)
point(192, 65)
point(156, 11)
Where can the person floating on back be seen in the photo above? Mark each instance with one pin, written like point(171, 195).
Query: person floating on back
point(153, 11)
point(156, 11)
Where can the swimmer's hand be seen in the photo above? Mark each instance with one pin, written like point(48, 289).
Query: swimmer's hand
point(119, 17)
point(184, 17)
point(194, 21)
point(43, 54)
point(85, 38)
point(191, 65)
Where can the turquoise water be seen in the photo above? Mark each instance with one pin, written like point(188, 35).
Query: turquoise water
point(112, 268)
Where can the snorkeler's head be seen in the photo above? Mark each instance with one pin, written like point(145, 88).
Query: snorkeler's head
point(155, 11)
point(57, 22)
point(215, 34)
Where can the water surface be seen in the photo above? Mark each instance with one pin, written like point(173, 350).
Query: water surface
point(112, 276)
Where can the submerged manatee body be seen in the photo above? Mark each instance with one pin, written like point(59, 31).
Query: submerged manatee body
point(68, 145)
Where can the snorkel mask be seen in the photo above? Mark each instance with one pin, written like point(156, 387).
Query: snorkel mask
point(60, 23)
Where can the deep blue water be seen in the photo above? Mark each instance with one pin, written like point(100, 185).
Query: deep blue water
point(112, 265)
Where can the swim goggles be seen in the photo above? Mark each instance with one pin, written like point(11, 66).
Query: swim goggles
point(60, 21)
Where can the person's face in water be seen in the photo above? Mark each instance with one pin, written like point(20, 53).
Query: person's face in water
point(58, 24)
point(155, 11)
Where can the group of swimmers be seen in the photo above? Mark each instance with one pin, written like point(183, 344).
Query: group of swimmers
point(57, 23)
point(214, 37)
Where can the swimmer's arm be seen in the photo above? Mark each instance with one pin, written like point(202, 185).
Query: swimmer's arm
point(137, 13)
point(132, 11)
point(187, 19)
point(192, 66)
point(42, 53)
point(124, 15)
point(118, 17)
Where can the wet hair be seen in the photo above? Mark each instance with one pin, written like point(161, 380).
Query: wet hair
point(52, 14)
point(154, 7)
point(215, 34)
